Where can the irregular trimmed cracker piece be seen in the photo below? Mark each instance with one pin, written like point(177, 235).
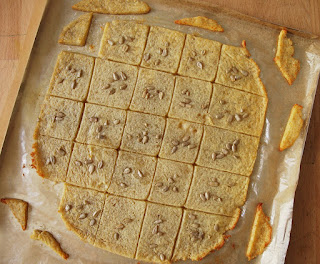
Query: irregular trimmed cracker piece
point(163, 49)
point(124, 41)
point(201, 22)
point(181, 140)
point(171, 182)
point(237, 70)
point(71, 76)
point(200, 58)
point(217, 192)
point(59, 118)
point(50, 157)
point(76, 32)
point(112, 84)
point(159, 231)
point(293, 127)
point(288, 65)
point(228, 151)
point(81, 210)
point(113, 7)
point(120, 225)
point(153, 92)
point(191, 99)
point(91, 166)
point(49, 240)
point(19, 208)
point(102, 126)
point(143, 133)
point(201, 233)
point(260, 236)
point(133, 175)
point(237, 110)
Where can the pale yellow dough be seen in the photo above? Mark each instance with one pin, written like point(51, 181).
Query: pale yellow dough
point(76, 32)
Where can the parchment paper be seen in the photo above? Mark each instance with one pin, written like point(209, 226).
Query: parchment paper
point(274, 178)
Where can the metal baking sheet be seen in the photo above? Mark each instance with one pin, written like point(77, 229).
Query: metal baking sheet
point(275, 175)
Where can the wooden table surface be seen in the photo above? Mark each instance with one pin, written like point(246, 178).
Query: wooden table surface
point(15, 16)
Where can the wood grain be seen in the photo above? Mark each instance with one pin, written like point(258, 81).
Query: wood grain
point(300, 14)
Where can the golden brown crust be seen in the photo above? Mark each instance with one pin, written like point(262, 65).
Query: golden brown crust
point(46, 147)
point(288, 66)
point(36, 132)
point(216, 247)
point(50, 241)
point(236, 218)
point(293, 127)
point(19, 208)
point(201, 22)
point(260, 236)
point(35, 161)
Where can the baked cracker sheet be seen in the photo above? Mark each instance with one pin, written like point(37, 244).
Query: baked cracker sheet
point(273, 181)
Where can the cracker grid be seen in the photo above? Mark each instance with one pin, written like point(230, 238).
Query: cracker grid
point(192, 119)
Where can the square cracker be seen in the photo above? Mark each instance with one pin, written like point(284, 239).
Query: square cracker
point(143, 133)
point(234, 152)
point(124, 41)
point(201, 233)
point(238, 70)
point(159, 219)
point(237, 110)
point(50, 157)
point(133, 175)
point(71, 76)
point(191, 99)
point(102, 126)
point(200, 58)
point(163, 49)
point(181, 141)
point(59, 118)
point(112, 84)
point(120, 225)
point(171, 182)
point(217, 192)
point(91, 166)
point(81, 211)
point(153, 92)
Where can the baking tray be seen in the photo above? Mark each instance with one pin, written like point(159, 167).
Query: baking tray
point(275, 175)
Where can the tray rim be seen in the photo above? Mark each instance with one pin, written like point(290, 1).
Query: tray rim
point(39, 12)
